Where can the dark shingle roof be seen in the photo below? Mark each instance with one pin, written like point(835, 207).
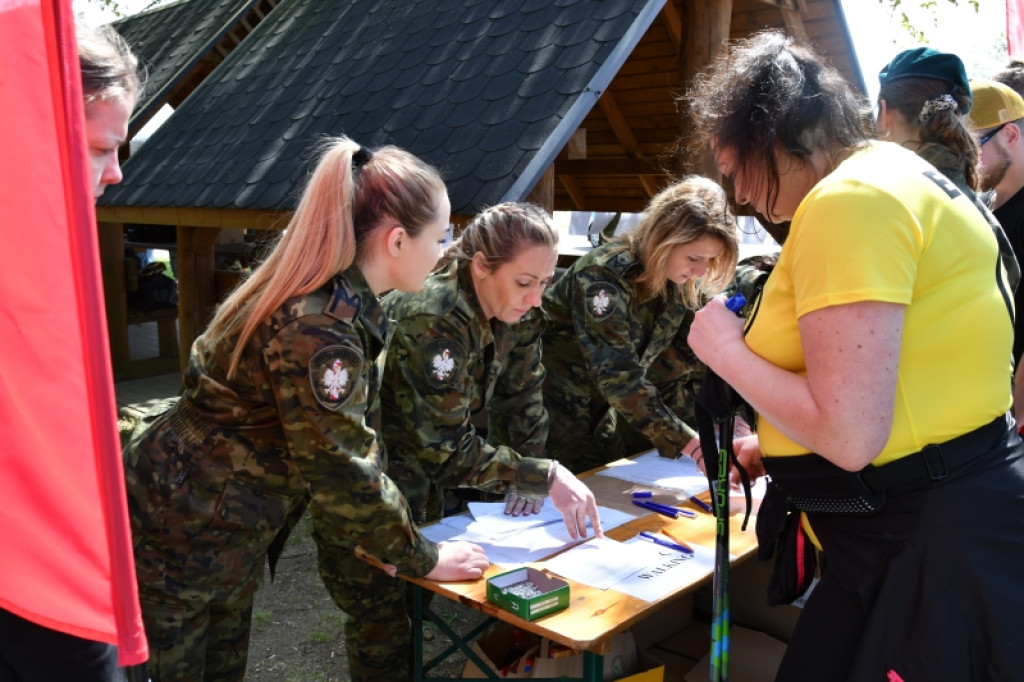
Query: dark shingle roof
point(171, 39)
point(488, 90)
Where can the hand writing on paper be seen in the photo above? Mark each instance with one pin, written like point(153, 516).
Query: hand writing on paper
point(576, 502)
point(458, 561)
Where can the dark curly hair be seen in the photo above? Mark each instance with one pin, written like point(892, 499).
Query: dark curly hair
point(768, 94)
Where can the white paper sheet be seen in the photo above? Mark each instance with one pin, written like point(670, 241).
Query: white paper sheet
point(652, 469)
point(515, 548)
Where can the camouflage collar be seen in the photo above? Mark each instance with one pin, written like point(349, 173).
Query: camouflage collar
point(352, 292)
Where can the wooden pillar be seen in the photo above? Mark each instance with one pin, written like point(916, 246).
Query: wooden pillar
point(196, 290)
point(705, 36)
point(544, 193)
point(111, 242)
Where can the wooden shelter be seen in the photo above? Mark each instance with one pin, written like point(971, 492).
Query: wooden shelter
point(571, 104)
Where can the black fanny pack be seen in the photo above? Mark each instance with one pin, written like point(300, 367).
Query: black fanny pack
point(811, 483)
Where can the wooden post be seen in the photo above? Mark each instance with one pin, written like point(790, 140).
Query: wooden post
point(196, 297)
point(544, 193)
point(705, 36)
point(111, 242)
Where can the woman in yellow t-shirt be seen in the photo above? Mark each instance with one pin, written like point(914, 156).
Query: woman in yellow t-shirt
point(880, 345)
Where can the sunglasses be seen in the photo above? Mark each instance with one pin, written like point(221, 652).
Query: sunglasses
point(988, 136)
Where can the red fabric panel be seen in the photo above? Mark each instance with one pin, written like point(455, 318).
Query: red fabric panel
point(1015, 27)
point(66, 558)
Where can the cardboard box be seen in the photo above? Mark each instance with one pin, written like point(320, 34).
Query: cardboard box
point(495, 645)
point(622, 660)
point(666, 621)
point(753, 657)
point(554, 593)
point(748, 605)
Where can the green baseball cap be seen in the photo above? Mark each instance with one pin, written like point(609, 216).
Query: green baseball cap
point(924, 62)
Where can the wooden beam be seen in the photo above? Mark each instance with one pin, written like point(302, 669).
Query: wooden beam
point(782, 4)
point(245, 219)
point(650, 185)
point(575, 192)
point(609, 166)
point(673, 24)
point(619, 124)
point(795, 26)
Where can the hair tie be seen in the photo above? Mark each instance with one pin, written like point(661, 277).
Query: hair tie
point(944, 102)
point(361, 157)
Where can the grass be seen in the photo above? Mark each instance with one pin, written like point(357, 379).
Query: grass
point(260, 618)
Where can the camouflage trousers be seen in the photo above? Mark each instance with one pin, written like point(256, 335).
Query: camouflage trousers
point(378, 630)
point(194, 640)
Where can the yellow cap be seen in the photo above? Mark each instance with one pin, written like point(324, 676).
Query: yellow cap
point(994, 104)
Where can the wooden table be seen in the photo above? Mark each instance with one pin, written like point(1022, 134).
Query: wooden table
point(594, 616)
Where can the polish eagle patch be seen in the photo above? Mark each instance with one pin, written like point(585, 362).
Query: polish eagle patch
point(333, 374)
point(443, 360)
point(601, 300)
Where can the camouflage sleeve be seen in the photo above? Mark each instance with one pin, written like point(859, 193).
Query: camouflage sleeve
point(601, 316)
point(516, 414)
point(750, 276)
point(428, 374)
point(677, 373)
point(320, 379)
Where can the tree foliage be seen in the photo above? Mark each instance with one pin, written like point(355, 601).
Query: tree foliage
point(920, 34)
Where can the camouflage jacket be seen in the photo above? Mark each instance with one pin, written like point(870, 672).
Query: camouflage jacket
point(447, 363)
point(595, 320)
point(213, 480)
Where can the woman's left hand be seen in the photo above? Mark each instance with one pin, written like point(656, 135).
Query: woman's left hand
point(715, 329)
point(520, 506)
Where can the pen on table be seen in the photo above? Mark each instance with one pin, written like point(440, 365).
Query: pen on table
point(642, 493)
point(664, 509)
point(665, 543)
point(659, 508)
point(677, 510)
point(702, 504)
point(673, 538)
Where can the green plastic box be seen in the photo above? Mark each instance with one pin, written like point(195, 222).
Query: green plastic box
point(553, 593)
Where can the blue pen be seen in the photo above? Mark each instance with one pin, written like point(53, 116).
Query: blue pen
point(642, 493)
point(677, 510)
point(736, 303)
point(665, 543)
point(702, 504)
point(655, 507)
point(663, 507)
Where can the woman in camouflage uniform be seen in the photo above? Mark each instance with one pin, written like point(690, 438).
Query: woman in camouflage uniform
point(469, 344)
point(617, 312)
point(280, 407)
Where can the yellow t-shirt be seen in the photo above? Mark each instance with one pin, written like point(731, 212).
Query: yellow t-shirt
point(887, 226)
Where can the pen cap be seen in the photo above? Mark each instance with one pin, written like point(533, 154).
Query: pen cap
point(736, 303)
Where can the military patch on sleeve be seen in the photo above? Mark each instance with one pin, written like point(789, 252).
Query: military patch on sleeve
point(443, 359)
point(333, 373)
point(601, 300)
